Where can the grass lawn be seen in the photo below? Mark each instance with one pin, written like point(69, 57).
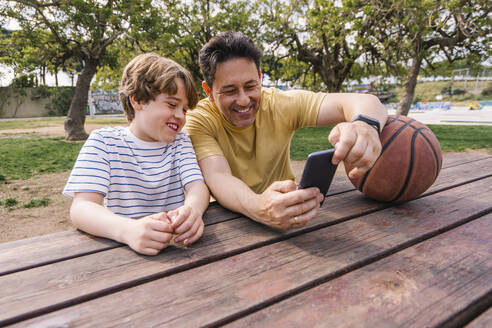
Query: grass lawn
point(25, 156)
point(427, 91)
point(56, 121)
point(453, 138)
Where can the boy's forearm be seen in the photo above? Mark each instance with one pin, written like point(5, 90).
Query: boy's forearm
point(97, 220)
point(197, 196)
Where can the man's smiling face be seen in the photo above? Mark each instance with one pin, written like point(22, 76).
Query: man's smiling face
point(236, 90)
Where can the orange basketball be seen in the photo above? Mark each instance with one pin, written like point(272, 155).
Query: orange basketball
point(409, 163)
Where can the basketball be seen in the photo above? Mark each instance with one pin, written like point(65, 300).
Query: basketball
point(409, 163)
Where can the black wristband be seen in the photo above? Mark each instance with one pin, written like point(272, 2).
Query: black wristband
point(369, 120)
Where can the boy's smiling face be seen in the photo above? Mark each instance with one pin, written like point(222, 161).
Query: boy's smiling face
point(162, 118)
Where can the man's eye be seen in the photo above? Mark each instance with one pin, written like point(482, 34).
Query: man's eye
point(230, 92)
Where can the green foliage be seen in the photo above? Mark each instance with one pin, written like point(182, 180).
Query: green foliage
point(427, 91)
point(24, 81)
point(453, 138)
point(487, 91)
point(326, 37)
point(10, 203)
point(35, 202)
point(25, 157)
point(61, 100)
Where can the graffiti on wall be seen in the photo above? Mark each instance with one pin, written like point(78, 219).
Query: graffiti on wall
point(105, 102)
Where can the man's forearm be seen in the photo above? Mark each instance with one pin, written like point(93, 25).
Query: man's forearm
point(234, 194)
point(343, 107)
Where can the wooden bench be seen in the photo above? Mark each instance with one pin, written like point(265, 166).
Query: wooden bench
point(427, 262)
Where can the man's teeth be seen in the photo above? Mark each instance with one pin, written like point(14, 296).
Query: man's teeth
point(243, 110)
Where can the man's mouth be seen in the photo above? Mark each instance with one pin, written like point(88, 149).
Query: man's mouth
point(241, 110)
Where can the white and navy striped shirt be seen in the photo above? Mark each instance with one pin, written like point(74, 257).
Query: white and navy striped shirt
point(136, 177)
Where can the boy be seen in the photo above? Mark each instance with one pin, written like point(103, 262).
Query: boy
point(140, 171)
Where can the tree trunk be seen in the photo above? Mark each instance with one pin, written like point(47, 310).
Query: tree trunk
point(74, 123)
point(333, 78)
point(409, 86)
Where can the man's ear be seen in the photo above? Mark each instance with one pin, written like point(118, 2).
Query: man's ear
point(134, 102)
point(208, 91)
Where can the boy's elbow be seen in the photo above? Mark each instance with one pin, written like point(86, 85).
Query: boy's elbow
point(74, 213)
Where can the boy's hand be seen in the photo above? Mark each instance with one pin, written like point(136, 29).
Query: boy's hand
point(187, 223)
point(150, 234)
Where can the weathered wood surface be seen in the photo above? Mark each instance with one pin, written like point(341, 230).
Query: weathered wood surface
point(421, 286)
point(39, 251)
point(240, 270)
point(234, 286)
point(482, 321)
point(61, 246)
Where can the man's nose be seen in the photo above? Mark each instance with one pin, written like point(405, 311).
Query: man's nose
point(243, 98)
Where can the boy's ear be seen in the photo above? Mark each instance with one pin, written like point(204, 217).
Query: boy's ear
point(134, 102)
point(208, 91)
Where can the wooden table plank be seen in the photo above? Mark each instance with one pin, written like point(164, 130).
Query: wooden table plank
point(261, 276)
point(94, 275)
point(482, 321)
point(47, 249)
point(342, 184)
point(38, 251)
point(452, 159)
point(61, 283)
point(61, 246)
point(421, 286)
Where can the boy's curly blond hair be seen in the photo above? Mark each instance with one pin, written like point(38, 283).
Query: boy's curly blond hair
point(148, 75)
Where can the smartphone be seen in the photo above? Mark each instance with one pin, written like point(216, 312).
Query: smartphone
point(318, 171)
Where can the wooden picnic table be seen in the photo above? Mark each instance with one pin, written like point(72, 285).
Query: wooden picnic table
point(424, 263)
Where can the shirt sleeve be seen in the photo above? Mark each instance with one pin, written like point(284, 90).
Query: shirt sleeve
point(200, 125)
point(189, 170)
point(300, 107)
point(91, 171)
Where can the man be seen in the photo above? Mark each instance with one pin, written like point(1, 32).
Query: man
point(242, 134)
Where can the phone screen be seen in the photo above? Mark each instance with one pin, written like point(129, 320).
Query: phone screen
point(318, 171)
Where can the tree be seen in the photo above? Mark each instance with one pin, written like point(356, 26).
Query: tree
point(81, 30)
point(329, 36)
point(422, 31)
point(184, 27)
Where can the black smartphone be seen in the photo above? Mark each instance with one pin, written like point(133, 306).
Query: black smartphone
point(318, 171)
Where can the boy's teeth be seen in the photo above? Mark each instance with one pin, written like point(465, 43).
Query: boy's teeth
point(173, 126)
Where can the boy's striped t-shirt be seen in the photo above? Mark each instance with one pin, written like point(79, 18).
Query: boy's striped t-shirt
point(136, 177)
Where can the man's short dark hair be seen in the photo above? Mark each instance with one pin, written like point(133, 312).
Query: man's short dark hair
point(225, 46)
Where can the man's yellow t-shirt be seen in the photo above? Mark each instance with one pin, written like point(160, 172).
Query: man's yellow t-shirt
point(257, 154)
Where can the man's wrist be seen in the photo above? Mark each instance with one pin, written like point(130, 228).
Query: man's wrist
point(374, 123)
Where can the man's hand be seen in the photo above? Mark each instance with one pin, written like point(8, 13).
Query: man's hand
point(282, 206)
point(356, 143)
point(187, 223)
point(150, 234)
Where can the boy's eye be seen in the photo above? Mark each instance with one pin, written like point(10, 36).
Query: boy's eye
point(185, 110)
point(171, 104)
